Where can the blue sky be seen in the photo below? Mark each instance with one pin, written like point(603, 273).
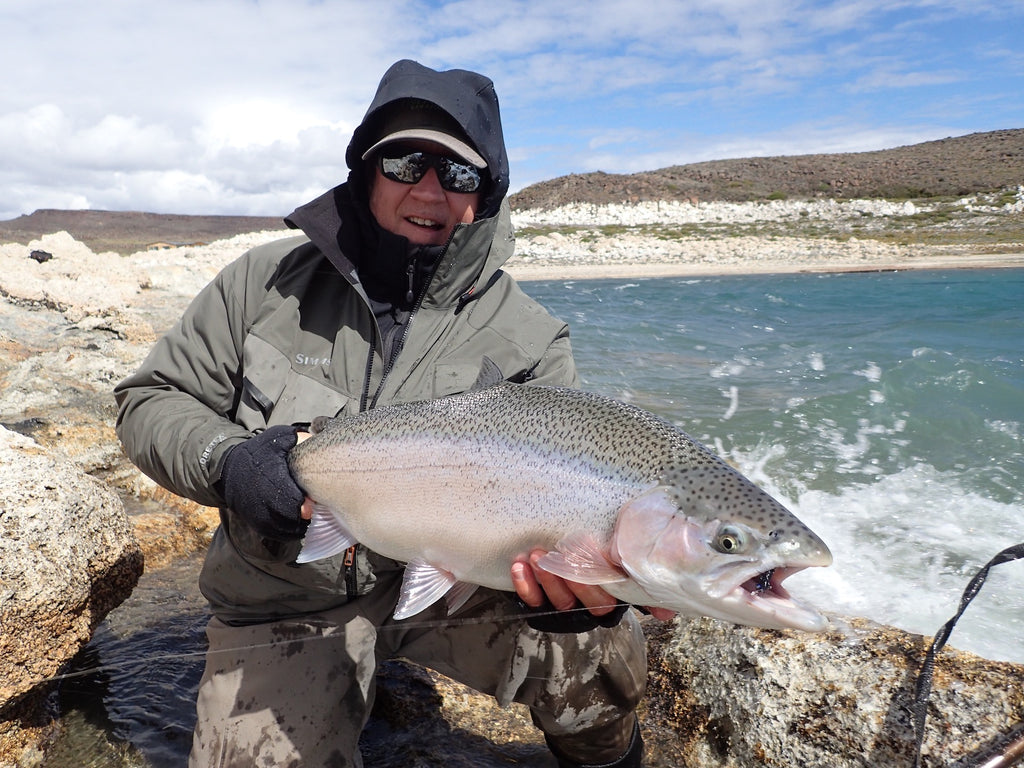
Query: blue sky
point(245, 106)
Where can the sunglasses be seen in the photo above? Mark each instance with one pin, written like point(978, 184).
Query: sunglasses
point(455, 176)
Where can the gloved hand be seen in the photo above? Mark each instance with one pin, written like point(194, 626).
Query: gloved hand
point(547, 619)
point(256, 484)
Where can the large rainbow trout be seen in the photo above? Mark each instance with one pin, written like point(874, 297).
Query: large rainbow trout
point(459, 487)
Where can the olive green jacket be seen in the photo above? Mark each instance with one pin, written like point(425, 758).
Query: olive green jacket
point(284, 335)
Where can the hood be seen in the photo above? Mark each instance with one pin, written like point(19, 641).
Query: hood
point(467, 96)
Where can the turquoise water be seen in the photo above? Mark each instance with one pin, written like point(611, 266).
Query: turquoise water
point(885, 409)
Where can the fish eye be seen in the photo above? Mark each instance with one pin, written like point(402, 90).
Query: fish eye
point(730, 540)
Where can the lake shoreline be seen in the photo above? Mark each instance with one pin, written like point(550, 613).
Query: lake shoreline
point(597, 270)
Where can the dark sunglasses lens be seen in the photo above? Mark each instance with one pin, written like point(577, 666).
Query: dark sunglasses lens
point(458, 177)
point(409, 169)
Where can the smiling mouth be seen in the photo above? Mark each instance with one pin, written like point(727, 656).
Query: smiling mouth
point(426, 223)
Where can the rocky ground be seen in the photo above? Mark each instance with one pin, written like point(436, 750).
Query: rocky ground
point(669, 237)
point(126, 232)
point(586, 240)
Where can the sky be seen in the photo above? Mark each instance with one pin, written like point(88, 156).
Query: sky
point(246, 106)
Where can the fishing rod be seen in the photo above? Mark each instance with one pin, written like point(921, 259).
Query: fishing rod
point(1009, 754)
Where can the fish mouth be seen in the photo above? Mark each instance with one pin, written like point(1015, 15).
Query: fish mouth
point(763, 592)
point(768, 583)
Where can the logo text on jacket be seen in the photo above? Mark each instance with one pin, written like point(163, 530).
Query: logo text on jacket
point(301, 359)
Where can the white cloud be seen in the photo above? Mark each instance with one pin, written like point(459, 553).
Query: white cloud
point(884, 79)
point(235, 106)
point(260, 123)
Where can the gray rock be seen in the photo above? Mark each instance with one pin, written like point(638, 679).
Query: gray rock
point(67, 557)
point(737, 697)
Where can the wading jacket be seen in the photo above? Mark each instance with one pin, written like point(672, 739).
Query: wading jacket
point(286, 333)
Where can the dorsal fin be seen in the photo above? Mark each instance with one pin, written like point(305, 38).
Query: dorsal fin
point(318, 424)
point(490, 375)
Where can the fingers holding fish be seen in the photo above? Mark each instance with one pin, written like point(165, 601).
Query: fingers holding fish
point(533, 584)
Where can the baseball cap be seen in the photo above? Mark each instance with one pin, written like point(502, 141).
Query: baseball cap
point(412, 119)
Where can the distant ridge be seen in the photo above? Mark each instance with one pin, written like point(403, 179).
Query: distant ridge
point(953, 167)
point(979, 162)
point(129, 231)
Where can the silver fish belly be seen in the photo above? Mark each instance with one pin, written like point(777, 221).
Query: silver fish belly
point(459, 488)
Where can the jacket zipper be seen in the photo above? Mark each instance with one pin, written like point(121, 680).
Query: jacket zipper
point(369, 369)
point(351, 573)
point(389, 364)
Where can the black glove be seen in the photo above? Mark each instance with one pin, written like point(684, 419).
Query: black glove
point(256, 483)
point(547, 619)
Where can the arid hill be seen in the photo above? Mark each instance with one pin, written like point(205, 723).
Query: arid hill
point(953, 167)
point(979, 162)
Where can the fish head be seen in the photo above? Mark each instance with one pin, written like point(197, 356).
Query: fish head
point(712, 543)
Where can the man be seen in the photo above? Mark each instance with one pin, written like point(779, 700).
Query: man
point(393, 294)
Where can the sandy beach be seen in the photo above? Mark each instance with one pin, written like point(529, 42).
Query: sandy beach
point(777, 263)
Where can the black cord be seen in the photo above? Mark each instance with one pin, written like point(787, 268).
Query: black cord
point(923, 689)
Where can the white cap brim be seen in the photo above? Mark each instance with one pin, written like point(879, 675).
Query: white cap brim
point(460, 148)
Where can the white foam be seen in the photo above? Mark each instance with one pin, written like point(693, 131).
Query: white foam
point(905, 547)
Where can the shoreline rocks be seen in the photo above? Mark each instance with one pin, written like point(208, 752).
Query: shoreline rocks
point(737, 696)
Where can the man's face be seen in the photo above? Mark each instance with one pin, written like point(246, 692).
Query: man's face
point(424, 212)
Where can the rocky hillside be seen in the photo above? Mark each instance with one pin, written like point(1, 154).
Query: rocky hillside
point(980, 162)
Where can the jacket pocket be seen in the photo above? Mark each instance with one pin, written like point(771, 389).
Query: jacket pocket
point(453, 378)
point(274, 393)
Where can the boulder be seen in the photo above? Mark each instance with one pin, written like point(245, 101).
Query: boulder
point(735, 696)
point(67, 558)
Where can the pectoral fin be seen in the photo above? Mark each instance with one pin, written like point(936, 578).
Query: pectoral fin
point(458, 595)
point(326, 536)
point(579, 557)
point(422, 586)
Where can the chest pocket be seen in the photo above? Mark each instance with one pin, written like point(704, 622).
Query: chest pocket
point(274, 393)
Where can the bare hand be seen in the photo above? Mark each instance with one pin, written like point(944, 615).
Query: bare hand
point(307, 509)
point(532, 583)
